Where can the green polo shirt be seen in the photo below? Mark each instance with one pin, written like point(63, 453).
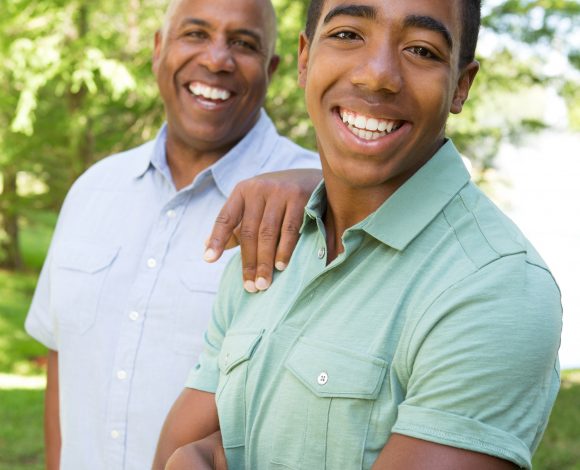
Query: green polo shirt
point(438, 321)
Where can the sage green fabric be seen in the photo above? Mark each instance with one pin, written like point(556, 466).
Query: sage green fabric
point(439, 321)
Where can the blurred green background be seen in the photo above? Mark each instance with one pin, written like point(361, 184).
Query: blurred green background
point(76, 85)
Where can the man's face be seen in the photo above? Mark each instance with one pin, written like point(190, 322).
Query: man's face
point(213, 68)
point(380, 78)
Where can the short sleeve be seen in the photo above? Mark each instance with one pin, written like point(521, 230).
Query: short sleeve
point(205, 374)
point(40, 323)
point(482, 362)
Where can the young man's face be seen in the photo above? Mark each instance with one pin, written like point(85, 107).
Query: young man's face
point(389, 68)
point(213, 68)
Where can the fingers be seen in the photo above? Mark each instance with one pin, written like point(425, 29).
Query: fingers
point(289, 234)
point(223, 232)
point(253, 214)
point(268, 239)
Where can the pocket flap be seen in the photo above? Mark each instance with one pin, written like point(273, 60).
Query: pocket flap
point(86, 256)
point(330, 371)
point(238, 347)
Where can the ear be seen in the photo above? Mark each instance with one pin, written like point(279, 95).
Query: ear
point(157, 49)
point(463, 85)
point(303, 47)
point(273, 65)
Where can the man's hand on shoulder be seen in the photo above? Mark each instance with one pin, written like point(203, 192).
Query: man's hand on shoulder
point(263, 215)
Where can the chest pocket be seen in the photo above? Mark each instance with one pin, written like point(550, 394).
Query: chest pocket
point(81, 269)
point(329, 395)
point(236, 352)
point(194, 297)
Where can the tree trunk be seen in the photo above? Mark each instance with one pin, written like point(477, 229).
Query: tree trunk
point(10, 257)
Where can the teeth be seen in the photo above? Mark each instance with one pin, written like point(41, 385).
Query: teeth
point(365, 127)
point(210, 93)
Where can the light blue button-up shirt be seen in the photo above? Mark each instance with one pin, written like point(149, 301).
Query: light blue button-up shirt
point(124, 295)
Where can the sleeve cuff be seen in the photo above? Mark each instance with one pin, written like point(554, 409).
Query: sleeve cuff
point(202, 380)
point(39, 333)
point(461, 432)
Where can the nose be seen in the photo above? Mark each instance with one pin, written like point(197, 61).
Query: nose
point(379, 69)
point(218, 57)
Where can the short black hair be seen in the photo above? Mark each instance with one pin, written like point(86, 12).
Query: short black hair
point(470, 16)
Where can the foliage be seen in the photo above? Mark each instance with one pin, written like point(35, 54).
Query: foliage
point(76, 85)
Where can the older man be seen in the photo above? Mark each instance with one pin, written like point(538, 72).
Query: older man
point(125, 296)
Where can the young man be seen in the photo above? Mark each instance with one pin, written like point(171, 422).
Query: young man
point(415, 326)
point(125, 296)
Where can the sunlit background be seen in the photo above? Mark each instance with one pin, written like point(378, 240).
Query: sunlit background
point(76, 85)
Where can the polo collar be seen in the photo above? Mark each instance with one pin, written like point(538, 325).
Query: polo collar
point(417, 202)
point(413, 206)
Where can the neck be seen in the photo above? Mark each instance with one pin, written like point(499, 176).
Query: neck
point(347, 206)
point(185, 161)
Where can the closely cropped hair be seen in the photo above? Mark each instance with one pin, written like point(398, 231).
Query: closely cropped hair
point(471, 21)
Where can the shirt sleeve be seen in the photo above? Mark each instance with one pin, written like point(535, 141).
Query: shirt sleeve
point(482, 363)
point(205, 374)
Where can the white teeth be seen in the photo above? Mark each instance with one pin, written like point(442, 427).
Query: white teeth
point(368, 128)
point(361, 122)
point(210, 93)
point(372, 124)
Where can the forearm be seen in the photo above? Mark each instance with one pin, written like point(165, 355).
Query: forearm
point(192, 417)
point(52, 440)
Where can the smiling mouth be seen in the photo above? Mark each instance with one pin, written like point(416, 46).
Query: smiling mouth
point(368, 127)
point(215, 94)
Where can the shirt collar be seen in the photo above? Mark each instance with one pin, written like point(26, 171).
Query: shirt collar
point(413, 206)
point(243, 161)
point(248, 156)
point(154, 157)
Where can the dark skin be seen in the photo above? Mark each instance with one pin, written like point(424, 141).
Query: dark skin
point(383, 65)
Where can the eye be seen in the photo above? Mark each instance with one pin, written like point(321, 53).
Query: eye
point(423, 52)
point(346, 36)
point(196, 34)
point(244, 44)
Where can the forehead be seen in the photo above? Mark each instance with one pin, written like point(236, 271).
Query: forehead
point(389, 13)
point(220, 14)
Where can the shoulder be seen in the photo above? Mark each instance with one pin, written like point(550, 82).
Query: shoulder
point(115, 169)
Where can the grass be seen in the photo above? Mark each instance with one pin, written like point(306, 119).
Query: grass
point(21, 363)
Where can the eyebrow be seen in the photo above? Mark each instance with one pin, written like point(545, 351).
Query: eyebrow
point(205, 24)
point(428, 22)
point(360, 11)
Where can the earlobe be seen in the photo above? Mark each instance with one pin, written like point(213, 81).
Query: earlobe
point(303, 46)
point(463, 86)
point(273, 65)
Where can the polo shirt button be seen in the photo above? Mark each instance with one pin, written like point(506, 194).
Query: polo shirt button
point(134, 316)
point(151, 263)
point(121, 375)
point(171, 214)
point(115, 434)
point(321, 252)
point(322, 378)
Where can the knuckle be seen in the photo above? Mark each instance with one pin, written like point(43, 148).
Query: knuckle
point(223, 218)
point(249, 268)
point(268, 232)
point(247, 234)
point(290, 229)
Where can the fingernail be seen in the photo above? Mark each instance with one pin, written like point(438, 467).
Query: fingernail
point(262, 284)
point(209, 255)
point(250, 286)
point(280, 266)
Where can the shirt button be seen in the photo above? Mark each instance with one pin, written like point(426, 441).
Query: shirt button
point(171, 214)
point(151, 263)
point(321, 252)
point(115, 434)
point(121, 374)
point(134, 316)
point(322, 378)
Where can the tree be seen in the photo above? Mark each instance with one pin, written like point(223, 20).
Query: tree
point(76, 85)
